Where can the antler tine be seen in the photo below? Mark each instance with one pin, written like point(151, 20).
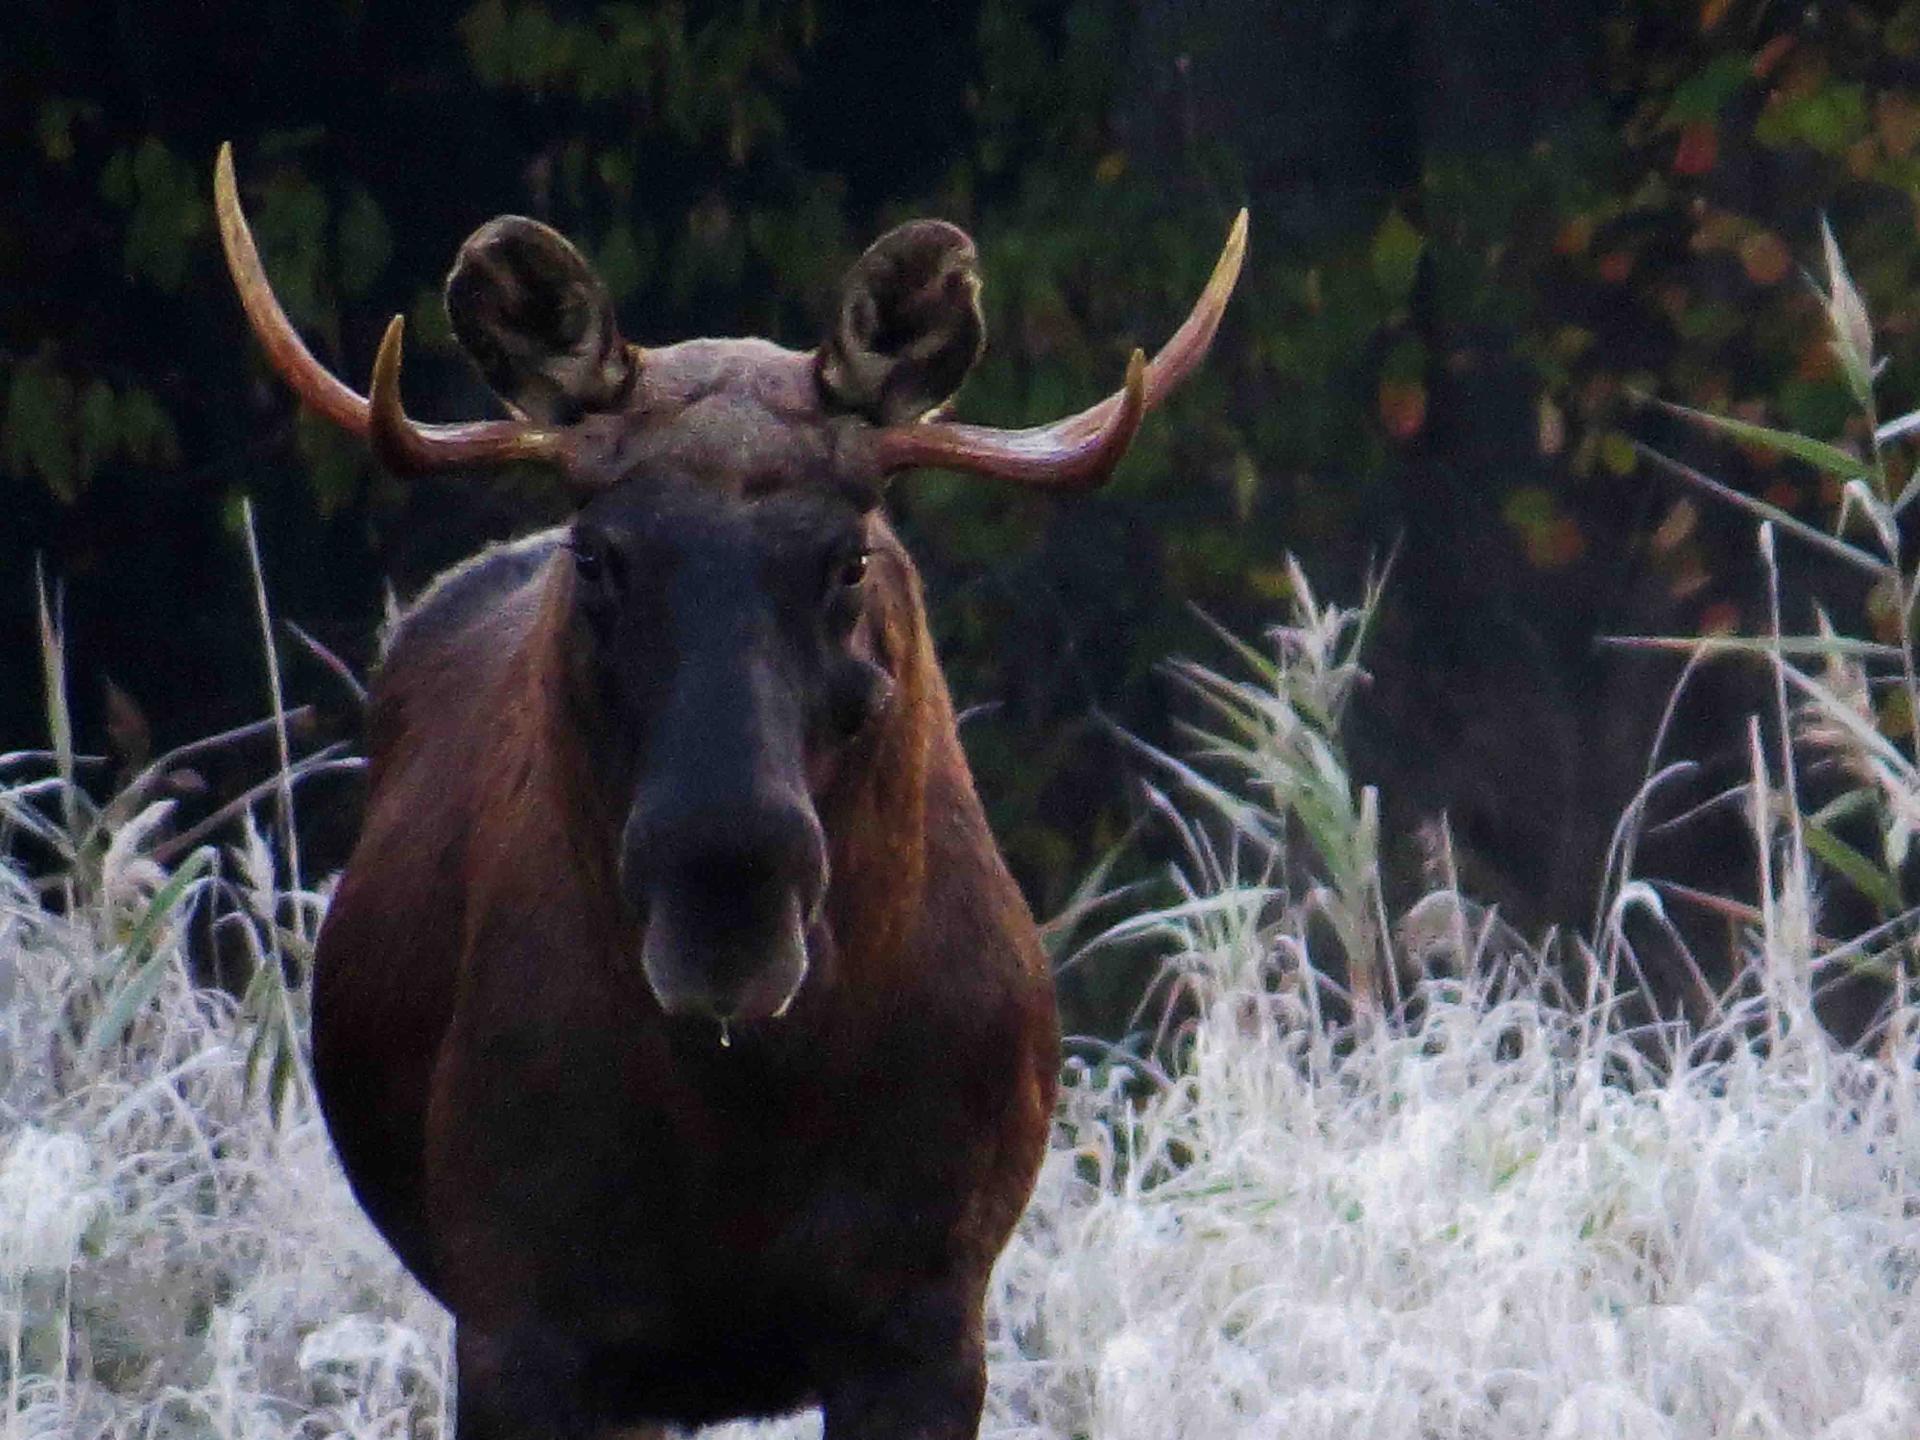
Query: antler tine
point(286, 352)
point(1080, 451)
point(1067, 455)
point(410, 448)
point(402, 444)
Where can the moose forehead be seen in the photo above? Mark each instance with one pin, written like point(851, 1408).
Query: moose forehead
point(740, 417)
point(667, 517)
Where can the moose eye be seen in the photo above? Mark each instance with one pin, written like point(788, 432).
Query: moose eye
point(595, 565)
point(853, 568)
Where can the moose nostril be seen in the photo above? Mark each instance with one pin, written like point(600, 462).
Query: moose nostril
point(724, 962)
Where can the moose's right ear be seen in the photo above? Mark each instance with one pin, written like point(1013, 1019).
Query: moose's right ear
point(538, 321)
point(909, 326)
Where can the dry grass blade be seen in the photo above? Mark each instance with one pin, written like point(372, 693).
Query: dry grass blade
point(334, 664)
point(289, 836)
point(1814, 536)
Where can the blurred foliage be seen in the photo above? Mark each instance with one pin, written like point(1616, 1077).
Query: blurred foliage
point(724, 162)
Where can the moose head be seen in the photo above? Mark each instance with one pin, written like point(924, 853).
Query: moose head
point(738, 631)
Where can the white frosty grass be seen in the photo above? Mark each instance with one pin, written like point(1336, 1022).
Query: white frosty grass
point(1467, 1230)
point(1494, 1220)
point(171, 1262)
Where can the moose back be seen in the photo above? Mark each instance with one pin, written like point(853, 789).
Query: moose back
point(676, 1019)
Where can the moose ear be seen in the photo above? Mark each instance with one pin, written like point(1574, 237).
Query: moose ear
point(538, 321)
point(909, 326)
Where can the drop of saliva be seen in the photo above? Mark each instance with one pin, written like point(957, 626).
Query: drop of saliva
point(726, 1035)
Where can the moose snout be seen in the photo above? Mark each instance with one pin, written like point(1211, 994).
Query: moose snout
point(727, 894)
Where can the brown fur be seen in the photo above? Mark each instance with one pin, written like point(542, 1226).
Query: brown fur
point(612, 769)
point(693, 758)
point(671, 1230)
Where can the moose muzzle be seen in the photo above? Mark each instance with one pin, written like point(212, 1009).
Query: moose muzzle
point(723, 856)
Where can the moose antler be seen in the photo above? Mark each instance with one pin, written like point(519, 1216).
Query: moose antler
point(1079, 452)
point(402, 444)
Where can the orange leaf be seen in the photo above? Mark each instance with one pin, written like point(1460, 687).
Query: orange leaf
point(1720, 618)
point(1554, 545)
point(1675, 528)
point(1717, 230)
point(1698, 150)
point(1770, 55)
point(1766, 258)
point(1896, 118)
point(1574, 236)
point(1565, 542)
point(1817, 361)
point(1403, 408)
point(1552, 426)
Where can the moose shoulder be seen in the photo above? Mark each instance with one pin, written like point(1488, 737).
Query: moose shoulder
point(676, 1019)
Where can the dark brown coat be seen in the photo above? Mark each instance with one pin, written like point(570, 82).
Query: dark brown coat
point(676, 1018)
point(723, 1230)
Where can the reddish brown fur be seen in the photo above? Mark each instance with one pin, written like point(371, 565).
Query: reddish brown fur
point(477, 942)
point(610, 774)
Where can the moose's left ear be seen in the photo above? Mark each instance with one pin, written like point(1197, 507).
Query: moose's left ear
point(909, 326)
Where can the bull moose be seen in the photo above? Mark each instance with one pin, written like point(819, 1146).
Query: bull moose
point(676, 1018)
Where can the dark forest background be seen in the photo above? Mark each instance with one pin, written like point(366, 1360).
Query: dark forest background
point(1478, 228)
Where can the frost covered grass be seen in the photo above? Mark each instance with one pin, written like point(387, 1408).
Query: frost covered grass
point(1487, 1202)
point(179, 1255)
point(172, 1261)
point(1399, 1178)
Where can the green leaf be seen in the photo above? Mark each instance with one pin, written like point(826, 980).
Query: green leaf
point(1528, 507)
point(1815, 407)
point(1848, 804)
point(1710, 322)
point(1817, 453)
point(141, 964)
point(147, 435)
point(364, 241)
point(1829, 119)
point(623, 264)
point(1866, 877)
point(1817, 647)
point(1701, 96)
point(116, 180)
point(334, 465)
point(36, 435)
point(291, 225)
point(1397, 248)
point(484, 28)
point(54, 124)
point(1406, 361)
point(166, 214)
point(99, 427)
point(1902, 36)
